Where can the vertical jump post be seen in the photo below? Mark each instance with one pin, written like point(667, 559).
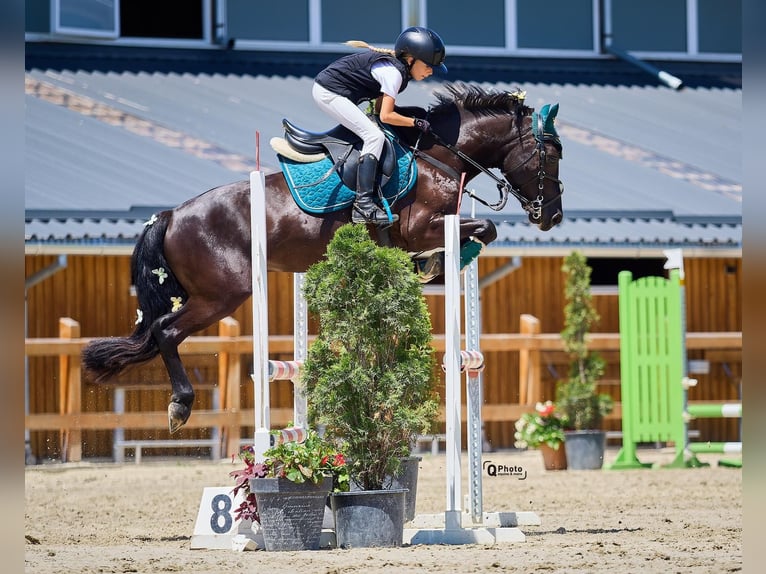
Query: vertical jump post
point(474, 385)
point(487, 527)
point(451, 363)
point(260, 373)
point(456, 362)
point(259, 270)
point(300, 349)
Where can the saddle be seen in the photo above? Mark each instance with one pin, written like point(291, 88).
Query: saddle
point(343, 146)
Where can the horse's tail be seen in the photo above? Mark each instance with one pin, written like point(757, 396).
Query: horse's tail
point(155, 284)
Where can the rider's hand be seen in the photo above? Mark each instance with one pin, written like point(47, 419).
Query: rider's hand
point(422, 125)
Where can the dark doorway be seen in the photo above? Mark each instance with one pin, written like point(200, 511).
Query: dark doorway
point(604, 270)
point(180, 19)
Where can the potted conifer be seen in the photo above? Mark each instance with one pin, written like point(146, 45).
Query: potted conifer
point(369, 374)
point(577, 398)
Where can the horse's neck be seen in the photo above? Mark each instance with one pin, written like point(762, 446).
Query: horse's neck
point(479, 139)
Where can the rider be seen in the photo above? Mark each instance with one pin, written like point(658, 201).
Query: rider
point(376, 74)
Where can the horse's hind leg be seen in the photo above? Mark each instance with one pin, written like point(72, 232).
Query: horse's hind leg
point(169, 331)
point(168, 338)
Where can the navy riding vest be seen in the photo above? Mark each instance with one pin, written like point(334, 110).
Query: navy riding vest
point(351, 76)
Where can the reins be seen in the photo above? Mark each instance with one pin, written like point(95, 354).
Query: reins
point(533, 207)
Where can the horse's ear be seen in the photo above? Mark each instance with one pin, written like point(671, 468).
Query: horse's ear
point(549, 114)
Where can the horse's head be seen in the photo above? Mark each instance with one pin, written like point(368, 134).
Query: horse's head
point(527, 151)
point(533, 174)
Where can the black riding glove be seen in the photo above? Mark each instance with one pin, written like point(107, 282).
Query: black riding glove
point(423, 125)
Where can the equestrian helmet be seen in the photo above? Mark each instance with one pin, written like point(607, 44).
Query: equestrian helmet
point(422, 44)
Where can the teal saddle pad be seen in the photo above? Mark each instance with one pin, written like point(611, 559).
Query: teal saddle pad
point(317, 187)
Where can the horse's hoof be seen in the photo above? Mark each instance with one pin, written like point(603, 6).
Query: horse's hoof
point(178, 414)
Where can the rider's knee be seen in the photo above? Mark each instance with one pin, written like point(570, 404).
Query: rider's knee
point(373, 143)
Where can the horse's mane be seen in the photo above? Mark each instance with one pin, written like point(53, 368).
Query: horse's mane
point(478, 100)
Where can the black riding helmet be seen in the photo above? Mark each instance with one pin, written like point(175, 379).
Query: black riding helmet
point(422, 44)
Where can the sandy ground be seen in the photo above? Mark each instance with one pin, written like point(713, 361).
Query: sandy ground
point(105, 517)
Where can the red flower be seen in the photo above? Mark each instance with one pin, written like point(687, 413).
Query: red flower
point(545, 409)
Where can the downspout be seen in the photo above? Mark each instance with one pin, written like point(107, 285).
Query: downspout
point(30, 282)
point(607, 46)
point(497, 274)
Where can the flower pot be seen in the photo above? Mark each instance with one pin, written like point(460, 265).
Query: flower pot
point(408, 478)
point(554, 458)
point(369, 518)
point(585, 449)
point(291, 513)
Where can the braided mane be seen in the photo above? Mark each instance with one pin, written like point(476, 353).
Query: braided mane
point(478, 100)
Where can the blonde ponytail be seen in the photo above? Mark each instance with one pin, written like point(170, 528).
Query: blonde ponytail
point(361, 44)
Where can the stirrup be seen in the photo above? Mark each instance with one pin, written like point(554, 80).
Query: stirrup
point(358, 216)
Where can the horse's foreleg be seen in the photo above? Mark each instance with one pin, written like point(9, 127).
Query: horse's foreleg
point(481, 229)
point(474, 235)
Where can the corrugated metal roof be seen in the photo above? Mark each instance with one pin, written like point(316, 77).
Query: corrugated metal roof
point(645, 167)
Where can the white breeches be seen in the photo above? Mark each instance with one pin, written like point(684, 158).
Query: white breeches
point(348, 114)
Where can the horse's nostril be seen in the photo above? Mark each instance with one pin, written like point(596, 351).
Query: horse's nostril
point(557, 218)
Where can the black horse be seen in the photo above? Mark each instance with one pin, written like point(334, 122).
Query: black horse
point(192, 264)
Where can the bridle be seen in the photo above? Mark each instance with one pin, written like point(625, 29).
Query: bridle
point(533, 207)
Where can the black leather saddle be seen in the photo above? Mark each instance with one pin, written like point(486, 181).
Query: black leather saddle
point(343, 147)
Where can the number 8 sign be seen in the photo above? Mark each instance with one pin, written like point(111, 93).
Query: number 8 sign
point(216, 526)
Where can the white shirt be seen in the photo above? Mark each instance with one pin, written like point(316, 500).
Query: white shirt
point(388, 76)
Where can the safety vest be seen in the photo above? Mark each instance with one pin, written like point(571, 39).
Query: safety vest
point(351, 76)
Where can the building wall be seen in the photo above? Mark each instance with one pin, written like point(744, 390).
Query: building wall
point(95, 291)
point(658, 28)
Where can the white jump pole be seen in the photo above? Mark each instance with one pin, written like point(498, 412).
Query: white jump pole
point(260, 374)
point(452, 515)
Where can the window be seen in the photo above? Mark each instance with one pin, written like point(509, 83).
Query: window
point(87, 17)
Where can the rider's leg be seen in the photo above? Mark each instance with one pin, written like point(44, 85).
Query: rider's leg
point(365, 208)
point(348, 114)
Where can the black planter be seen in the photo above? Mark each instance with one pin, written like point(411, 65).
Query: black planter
point(585, 449)
point(291, 513)
point(369, 518)
point(408, 478)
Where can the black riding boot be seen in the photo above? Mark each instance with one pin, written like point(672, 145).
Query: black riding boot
point(365, 209)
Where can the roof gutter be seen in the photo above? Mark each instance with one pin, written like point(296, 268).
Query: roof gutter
point(628, 251)
point(77, 249)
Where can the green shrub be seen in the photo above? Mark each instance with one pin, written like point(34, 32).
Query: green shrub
point(369, 374)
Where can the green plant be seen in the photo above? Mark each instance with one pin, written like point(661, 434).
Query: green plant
point(544, 426)
point(577, 397)
point(369, 374)
point(311, 460)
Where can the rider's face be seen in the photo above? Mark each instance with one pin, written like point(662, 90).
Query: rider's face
point(420, 70)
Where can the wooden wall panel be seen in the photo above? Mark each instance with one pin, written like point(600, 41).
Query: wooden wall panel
point(95, 290)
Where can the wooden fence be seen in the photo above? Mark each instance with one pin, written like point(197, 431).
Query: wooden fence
point(229, 345)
